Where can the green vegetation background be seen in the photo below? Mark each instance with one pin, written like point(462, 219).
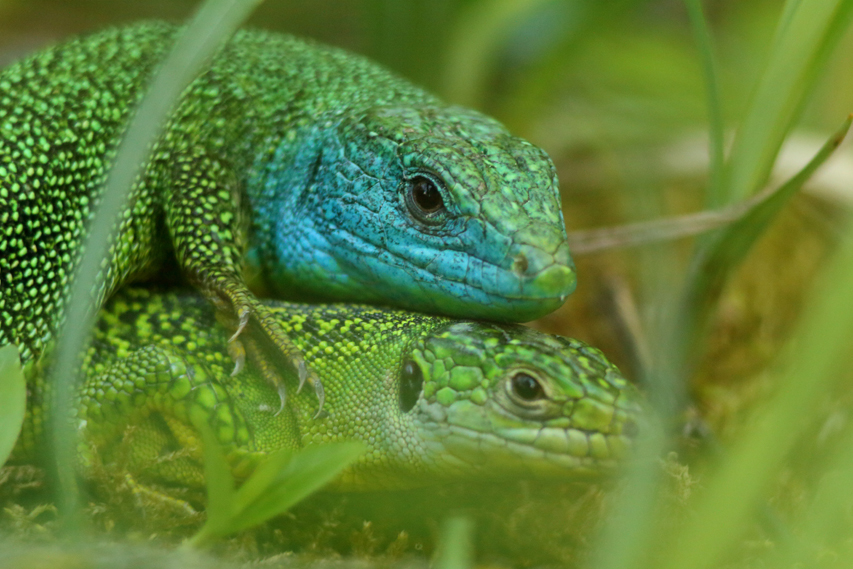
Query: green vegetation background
point(615, 91)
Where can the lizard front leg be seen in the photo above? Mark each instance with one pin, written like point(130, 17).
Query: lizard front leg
point(160, 396)
point(141, 416)
point(205, 217)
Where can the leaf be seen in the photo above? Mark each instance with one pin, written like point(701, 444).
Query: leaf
point(13, 394)
point(305, 473)
point(281, 481)
point(219, 481)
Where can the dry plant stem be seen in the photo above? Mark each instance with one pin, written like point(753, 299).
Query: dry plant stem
point(666, 229)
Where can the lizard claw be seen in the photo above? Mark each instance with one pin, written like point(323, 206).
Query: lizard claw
point(238, 344)
point(302, 372)
point(306, 376)
point(243, 315)
point(239, 364)
point(237, 351)
point(282, 395)
point(321, 397)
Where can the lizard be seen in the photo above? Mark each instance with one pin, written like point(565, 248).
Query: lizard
point(310, 170)
point(431, 398)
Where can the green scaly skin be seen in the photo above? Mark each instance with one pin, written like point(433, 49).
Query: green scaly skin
point(433, 399)
point(327, 175)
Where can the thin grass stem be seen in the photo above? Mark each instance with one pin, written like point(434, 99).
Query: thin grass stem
point(214, 22)
point(702, 34)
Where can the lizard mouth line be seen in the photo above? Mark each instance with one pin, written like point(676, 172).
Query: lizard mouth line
point(525, 284)
point(465, 436)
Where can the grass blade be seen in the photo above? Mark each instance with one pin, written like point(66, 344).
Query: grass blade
point(214, 22)
point(219, 481)
point(715, 111)
point(805, 37)
point(281, 481)
point(13, 394)
point(631, 538)
point(724, 252)
point(303, 474)
point(732, 495)
point(587, 241)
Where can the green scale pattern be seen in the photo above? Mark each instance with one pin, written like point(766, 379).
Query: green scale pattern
point(296, 161)
point(431, 398)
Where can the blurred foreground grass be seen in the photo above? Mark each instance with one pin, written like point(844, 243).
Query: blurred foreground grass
point(754, 440)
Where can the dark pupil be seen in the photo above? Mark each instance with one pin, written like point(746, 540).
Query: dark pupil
point(425, 195)
point(411, 385)
point(526, 387)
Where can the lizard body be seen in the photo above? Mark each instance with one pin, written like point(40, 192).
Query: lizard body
point(321, 172)
point(432, 398)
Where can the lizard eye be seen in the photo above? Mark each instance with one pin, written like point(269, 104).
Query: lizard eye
point(411, 385)
point(525, 388)
point(424, 200)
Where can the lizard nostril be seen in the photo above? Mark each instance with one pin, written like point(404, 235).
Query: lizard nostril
point(520, 265)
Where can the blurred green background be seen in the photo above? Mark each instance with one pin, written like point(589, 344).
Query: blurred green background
point(614, 91)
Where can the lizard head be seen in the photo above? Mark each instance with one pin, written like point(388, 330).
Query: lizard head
point(478, 400)
point(437, 209)
point(511, 400)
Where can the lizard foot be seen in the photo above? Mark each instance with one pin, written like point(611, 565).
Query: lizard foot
point(272, 375)
point(259, 336)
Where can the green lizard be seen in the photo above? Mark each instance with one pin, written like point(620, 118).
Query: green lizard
point(431, 398)
point(324, 174)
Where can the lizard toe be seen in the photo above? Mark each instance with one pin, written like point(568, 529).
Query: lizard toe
point(237, 351)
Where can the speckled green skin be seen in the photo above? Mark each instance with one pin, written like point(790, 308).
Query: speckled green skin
point(159, 363)
point(301, 155)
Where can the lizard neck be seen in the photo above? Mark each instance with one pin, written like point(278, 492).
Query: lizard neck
point(288, 244)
